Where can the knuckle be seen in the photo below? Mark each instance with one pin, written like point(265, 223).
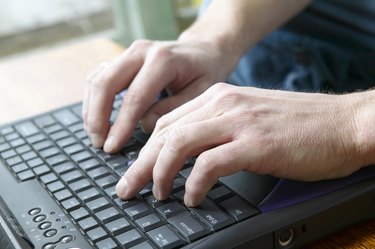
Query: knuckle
point(162, 123)
point(133, 99)
point(139, 44)
point(218, 87)
point(176, 140)
point(161, 53)
point(206, 165)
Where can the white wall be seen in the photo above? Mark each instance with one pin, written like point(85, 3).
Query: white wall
point(22, 15)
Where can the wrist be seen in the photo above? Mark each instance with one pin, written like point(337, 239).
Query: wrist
point(226, 49)
point(362, 107)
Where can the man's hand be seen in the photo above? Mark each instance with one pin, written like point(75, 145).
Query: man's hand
point(184, 69)
point(285, 134)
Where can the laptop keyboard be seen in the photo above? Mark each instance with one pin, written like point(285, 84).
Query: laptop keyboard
point(54, 149)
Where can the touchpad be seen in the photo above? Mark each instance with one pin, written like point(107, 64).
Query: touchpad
point(252, 187)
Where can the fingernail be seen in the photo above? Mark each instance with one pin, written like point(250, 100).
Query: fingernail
point(122, 188)
point(109, 144)
point(96, 140)
point(188, 202)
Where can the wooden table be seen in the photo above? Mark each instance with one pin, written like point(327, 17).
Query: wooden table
point(42, 81)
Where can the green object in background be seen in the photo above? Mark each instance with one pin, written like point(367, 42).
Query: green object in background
point(144, 19)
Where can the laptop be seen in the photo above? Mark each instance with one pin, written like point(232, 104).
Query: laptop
point(57, 191)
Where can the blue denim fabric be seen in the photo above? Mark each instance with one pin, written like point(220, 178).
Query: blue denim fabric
point(289, 61)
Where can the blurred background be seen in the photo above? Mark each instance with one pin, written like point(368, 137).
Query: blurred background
point(26, 25)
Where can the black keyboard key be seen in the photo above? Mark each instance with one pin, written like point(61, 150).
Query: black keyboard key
point(220, 193)
point(76, 127)
point(53, 128)
point(80, 185)
point(81, 156)
point(64, 167)
point(17, 142)
point(79, 213)
point(88, 223)
point(6, 130)
point(118, 226)
point(4, 146)
point(45, 144)
point(70, 204)
point(19, 167)
point(66, 142)
point(55, 186)
point(74, 148)
point(96, 234)
point(88, 195)
point(14, 160)
point(41, 170)
point(25, 175)
point(147, 190)
point(111, 192)
point(22, 149)
point(98, 173)
point(188, 226)
point(59, 135)
point(36, 138)
point(212, 215)
point(44, 121)
point(107, 181)
point(97, 204)
point(56, 159)
point(48, 178)
point(72, 176)
point(144, 245)
point(186, 172)
point(27, 129)
point(8, 154)
point(66, 117)
point(137, 211)
point(108, 243)
point(178, 184)
point(77, 110)
point(238, 208)
point(165, 238)
point(130, 238)
point(62, 194)
point(126, 203)
point(108, 215)
point(50, 151)
point(117, 162)
point(89, 164)
point(170, 209)
point(12, 136)
point(29, 155)
point(154, 203)
point(149, 222)
point(35, 162)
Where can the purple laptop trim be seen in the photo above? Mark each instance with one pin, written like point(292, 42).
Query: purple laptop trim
point(289, 192)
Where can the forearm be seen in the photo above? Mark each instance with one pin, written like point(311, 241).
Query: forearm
point(235, 26)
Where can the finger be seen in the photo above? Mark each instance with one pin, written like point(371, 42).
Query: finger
point(184, 141)
point(170, 103)
point(102, 90)
point(86, 94)
point(138, 174)
point(209, 166)
point(146, 86)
